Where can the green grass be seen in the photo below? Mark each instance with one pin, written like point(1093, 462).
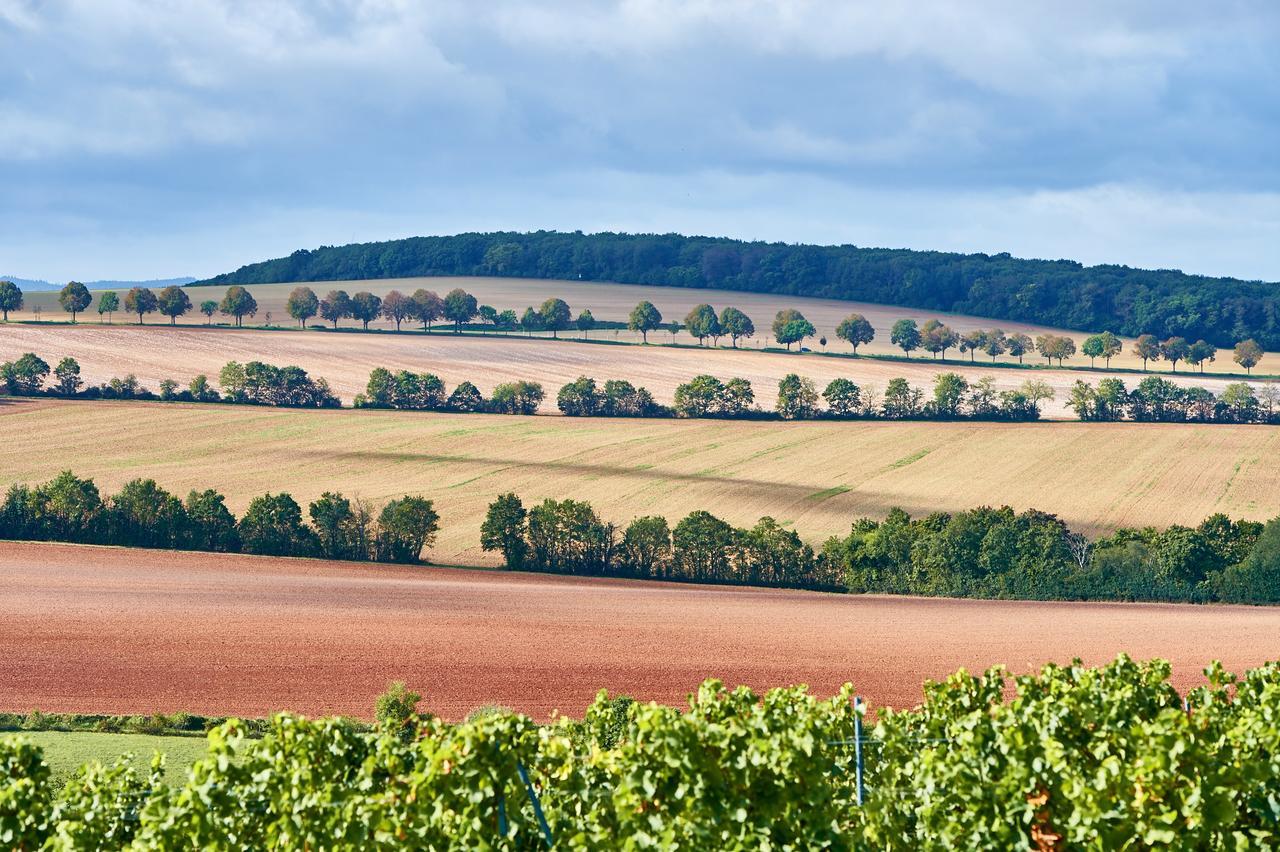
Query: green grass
point(828, 493)
point(65, 751)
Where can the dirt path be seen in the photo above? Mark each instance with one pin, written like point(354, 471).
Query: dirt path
point(106, 630)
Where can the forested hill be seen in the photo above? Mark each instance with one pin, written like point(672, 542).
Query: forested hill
point(1051, 292)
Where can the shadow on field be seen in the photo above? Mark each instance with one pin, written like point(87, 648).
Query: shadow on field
point(870, 503)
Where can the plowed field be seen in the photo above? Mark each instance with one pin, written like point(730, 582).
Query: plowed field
point(127, 631)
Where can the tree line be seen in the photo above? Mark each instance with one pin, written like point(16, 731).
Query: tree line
point(253, 383)
point(983, 553)
point(702, 322)
point(142, 514)
point(1059, 293)
point(1158, 400)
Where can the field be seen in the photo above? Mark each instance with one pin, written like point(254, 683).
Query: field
point(104, 630)
point(66, 751)
point(614, 301)
point(817, 476)
point(154, 353)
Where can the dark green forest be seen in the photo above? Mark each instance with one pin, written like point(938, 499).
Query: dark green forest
point(1051, 292)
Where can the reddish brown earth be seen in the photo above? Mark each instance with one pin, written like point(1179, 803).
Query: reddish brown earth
point(103, 630)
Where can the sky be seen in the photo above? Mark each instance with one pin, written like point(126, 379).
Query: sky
point(148, 139)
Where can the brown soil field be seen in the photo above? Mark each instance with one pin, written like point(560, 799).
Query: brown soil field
point(614, 301)
point(103, 630)
point(345, 360)
point(815, 476)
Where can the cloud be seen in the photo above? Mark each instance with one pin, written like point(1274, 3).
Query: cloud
point(1139, 132)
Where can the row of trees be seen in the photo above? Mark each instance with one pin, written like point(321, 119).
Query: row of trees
point(1159, 400)
point(254, 383)
point(985, 552)
point(568, 537)
point(408, 391)
point(142, 514)
point(1033, 555)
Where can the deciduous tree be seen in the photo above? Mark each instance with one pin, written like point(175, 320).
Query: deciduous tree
point(556, 316)
point(140, 301)
point(10, 298)
point(644, 318)
point(856, 330)
point(108, 303)
point(302, 305)
point(1247, 354)
point(1147, 348)
point(74, 298)
point(905, 334)
point(459, 307)
point(238, 303)
point(173, 302)
point(736, 324)
point(366, 307)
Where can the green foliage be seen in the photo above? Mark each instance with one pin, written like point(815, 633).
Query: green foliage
point(272, 526)
point(10, 298)
point(504, 530)
point(555, 316)
point(797, 398)
point(173, 302)
point(238, 303)
point(644, 318)
point(396, 710)
point(335, 306)
point(74, 297)
point(302, 305)
point(707, 396)
point(366, 307)
point(736, 324)
point(459, 306)
point(790, 326)
point(516, 398)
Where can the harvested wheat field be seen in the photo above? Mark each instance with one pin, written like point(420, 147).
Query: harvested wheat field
point(104, 630)
point(815, 476)
point(612, 302)
point(345, 360)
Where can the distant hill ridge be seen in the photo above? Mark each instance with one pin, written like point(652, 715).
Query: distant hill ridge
point(32, 285)
point(1060, 293)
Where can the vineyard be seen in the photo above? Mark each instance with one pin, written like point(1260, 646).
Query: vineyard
point(1073, 756)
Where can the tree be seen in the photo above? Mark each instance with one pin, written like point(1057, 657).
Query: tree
point(427, 307)
point(797, 398)
point(937, 338)
point(949, 390)
point(67, 377)
point(335, 306)
point(108, 303)
point(366, 307)
point(504, 530)
point(210, 525)
point(996, 343)
point(736, 324)
point(1037, 391)
point(646, 547)
point(1199, 352)
point(333, 520)
point(1174, 350)
point(488, 315)
point(531, 321)
point(10, 298)
point(901, 401)
point(25, 376)
point(790, 326)
point(856, 330)
point(1147, 348)
point(1111, 346)
point(843, 398)
point(585, 322)
point(466, 397)
point(556, 316)
point(145, 515)
point(459, 307)
point(1247, 354)
point(516, 398)
point(397, 307)
point(208, 307)
point(140, 301)
point(200, 390)
point(407, 527)
point(702, 322)
point(74, 298)
point(173, 302)
point(238, 303)
point(579, 398)
point(972, 341)
point(644, 318)
point(702, 547)
point(905, 335)
point(272, 526)
point(1018, 345)
point(302, 305)
point(1092, 347)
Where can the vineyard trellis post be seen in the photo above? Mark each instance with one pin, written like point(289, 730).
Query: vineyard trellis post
point(857, 746)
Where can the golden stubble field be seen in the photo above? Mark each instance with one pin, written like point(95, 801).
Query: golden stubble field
point(345, 360)
point(816, 476)
point(614, 301)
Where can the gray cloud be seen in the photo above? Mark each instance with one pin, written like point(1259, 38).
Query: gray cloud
point(144, 139)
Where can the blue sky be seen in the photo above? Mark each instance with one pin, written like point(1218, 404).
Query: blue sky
point(153, 139)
